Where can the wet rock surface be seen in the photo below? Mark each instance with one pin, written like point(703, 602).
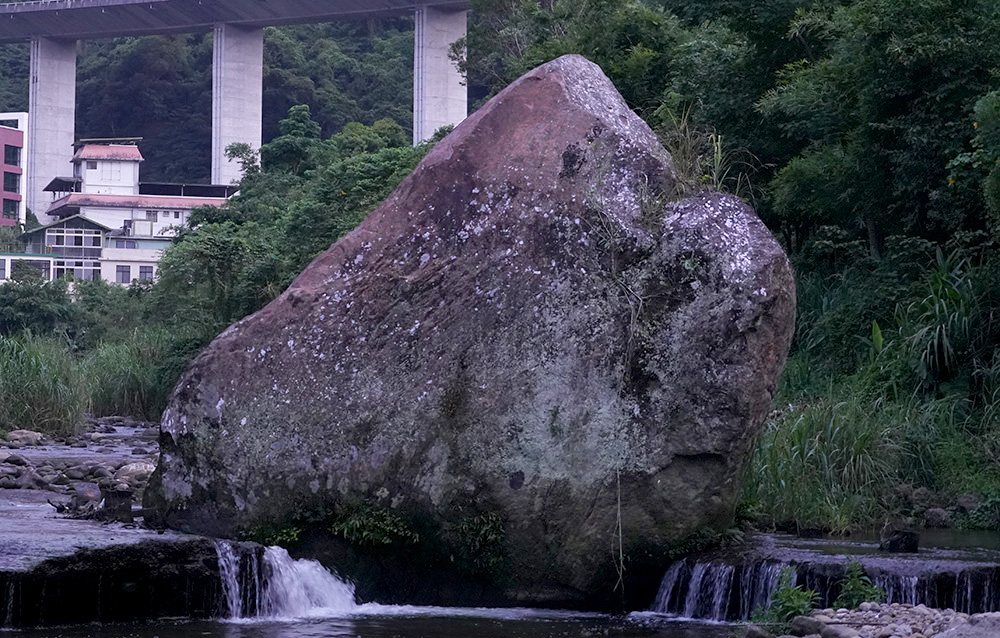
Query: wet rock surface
point(526, 331)
point(40, 485)
point(103, 454)
point(64, 559)
point(979, 626)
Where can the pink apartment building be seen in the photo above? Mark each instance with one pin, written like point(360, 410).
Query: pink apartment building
point(12, 161)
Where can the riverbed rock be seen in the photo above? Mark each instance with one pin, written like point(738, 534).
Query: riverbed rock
point(25, 438)
point(84, 493)
point(135, 472)
point(31, 480)
point(899, 541)
point(937, 517)
point(806, 625)
point(968, 502)
point(978, 626)
point(528, 342)
point(16, 459)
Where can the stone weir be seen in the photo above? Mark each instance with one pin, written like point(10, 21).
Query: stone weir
point(730, 584)
point(57, 569)
point(129, 582)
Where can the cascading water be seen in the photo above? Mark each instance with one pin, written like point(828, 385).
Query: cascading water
point(280, 587)
point(8, 618)
point(229, 573)
point(715, 590)
point(730, 586)
point(296, 588)
point(898, 589)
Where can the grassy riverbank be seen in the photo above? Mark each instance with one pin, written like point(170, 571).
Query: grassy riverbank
point(890, 402)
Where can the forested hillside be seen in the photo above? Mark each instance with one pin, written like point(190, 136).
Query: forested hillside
point(865, 132)
point(160, 88)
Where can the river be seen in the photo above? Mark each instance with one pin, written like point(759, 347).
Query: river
point(408, 622)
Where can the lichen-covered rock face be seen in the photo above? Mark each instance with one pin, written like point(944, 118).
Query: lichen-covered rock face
point(525, 329)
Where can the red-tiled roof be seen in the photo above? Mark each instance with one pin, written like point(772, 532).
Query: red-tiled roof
point(108, 152)
point(133, 201)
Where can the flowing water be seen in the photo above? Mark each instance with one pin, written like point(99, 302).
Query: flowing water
point(278, 597)
point(439, 624)
point(952, 570)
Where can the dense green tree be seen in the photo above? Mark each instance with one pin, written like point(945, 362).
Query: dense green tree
point(203, 277)
point(28, 304)
point(290, 151)
point(881, 114)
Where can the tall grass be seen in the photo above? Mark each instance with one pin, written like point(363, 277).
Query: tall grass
point(44, 386)
point(134, 375)
point(894, 385)
point(41, 386)
point(828, 464)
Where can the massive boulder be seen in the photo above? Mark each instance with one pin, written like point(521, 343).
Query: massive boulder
point(528, 344)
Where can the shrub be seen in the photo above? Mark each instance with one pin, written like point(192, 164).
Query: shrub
point(483, 541)
point(826, 464)
point(135, 376)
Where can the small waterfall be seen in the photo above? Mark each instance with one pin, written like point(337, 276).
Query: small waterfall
point(281, 587)
point(898, 589)
point(732, 586)
point(694, 590)
point(296, 588)
point(715, 590)
point(229, 572)
point(757, 587)
point(8, 619)
point(668, 587)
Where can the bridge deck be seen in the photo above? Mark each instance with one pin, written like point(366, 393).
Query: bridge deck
point(89, 19)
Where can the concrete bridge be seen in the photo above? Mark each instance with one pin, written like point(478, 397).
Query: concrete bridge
point(54, 26)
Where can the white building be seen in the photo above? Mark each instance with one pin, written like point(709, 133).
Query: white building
point(104, 224)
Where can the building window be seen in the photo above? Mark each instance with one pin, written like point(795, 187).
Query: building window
point(145, 273)
point(3, 269)
point(78, 270)
point(11, 209)
point(123, 274)
point(177, 214)
point(150, 215)
point(40, 266)
point(91, 165)
point(12, 182)
point(125, 243)
point(11, 155)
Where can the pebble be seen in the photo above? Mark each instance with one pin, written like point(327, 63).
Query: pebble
point(61, 475)
point(16, 459)
point(873, 620)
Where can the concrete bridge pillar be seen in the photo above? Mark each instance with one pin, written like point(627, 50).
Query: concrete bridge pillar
point(440, 97)
point(237, 96)
point(52, 121)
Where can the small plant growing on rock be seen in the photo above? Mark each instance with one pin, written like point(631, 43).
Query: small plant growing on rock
point(857, 588)
point(483, 538)
point(788, 601)
point(369, 526)
point(283, 535)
